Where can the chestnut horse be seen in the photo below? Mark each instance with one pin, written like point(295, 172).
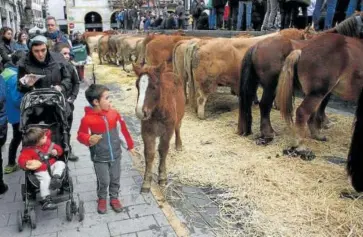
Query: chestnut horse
point(330, 63)
point(262, 64)
point(160, 107)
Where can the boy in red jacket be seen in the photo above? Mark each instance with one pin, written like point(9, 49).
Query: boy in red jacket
point(99, 131)
point(36, 143)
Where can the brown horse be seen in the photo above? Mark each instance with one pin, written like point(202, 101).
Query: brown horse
point(330, 63)
point(160, 106)
point(262, 64)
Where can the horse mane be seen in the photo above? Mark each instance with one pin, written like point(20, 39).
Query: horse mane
point(148, 38)
point(292, 33)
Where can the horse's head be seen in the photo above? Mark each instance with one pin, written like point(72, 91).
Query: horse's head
point(148, 87)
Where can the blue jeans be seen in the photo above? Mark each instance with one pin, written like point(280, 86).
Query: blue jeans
point(352, 6)
point(212, 20)
point(241, 12)
point(330, 11)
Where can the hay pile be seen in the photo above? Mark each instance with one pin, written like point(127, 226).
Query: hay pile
point(267, 194)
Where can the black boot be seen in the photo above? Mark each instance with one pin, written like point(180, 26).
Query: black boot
point(56, 182)
point(3, 188)
point(72, 157)
point(48, 204)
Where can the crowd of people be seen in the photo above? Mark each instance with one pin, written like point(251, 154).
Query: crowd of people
point(251, 15)
point(23, 58)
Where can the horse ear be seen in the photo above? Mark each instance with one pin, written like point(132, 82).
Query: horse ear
point(137, 69)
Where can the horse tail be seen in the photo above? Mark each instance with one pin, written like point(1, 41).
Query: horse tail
point(188, 62)
point(100, 52)
point(247, 91)
point(285, 87)
point(175, 69)
point(355, 161)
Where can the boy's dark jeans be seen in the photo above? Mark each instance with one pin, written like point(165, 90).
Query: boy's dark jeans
point(3, 133)
point(108, 178)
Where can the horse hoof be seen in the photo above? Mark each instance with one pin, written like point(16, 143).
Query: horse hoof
point(162, 182)
point(320, 138)
point(263, 141)
point(145, 190)
point(246, 134)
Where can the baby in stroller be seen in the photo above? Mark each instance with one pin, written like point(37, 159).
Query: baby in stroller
point(37, 144)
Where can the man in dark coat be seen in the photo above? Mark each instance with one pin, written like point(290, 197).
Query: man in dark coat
point(219, 7)
point(40, 61)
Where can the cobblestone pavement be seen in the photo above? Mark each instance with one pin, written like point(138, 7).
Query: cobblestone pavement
point(141, 216)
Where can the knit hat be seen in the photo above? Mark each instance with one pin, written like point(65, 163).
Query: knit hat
point(38, 39)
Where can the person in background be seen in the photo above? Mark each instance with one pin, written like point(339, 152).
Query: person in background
point(53, 34)
point(3, 132)
point(64, 49)
point(330, 12)
point(180, 13)
point(6, 46)
point(21, 43)
point(352, 7)
point(78, 40)
point(12, 105)
point(248, 14)
point(271, 12)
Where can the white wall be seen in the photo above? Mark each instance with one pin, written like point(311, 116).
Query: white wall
point(56, 9)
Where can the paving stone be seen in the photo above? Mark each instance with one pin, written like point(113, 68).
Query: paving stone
point(4, 218)
point(47, 235)
point(134, 199)
point(85, 187)
point(86, 178)
point(100, 230)
point(131, 225)
point(9, 196)
point(14, 232)
point(83, 164)
point(10, 207)
point(138, 179)
point(83, 171)
point(127, 235)
point(127, 181)
point(87, 196)
point(144, 210)
point(130, 190)
point(161, 219)
point(157, 232)
point(129, 173)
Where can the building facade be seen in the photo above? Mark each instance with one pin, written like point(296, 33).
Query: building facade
point(89, 15)
point(10, 15)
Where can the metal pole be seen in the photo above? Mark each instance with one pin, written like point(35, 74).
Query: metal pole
point(67, 17)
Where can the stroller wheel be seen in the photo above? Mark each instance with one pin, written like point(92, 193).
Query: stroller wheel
point(81, 210)
point(33, 219)
point(69, 214)
point(19, 217)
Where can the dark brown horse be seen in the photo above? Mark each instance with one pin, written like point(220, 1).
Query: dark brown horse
point(330, 63)
point(262, 64)
point(160, 106)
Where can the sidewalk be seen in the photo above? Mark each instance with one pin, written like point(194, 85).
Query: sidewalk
point(141, 216)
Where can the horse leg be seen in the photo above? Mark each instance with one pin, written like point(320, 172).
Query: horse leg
point(317, 119)
point(163, 152)
point(323, 120)
point(149, 153)
point(305, 111)
point(178, 141)
point(267, 132)
point(201, 100)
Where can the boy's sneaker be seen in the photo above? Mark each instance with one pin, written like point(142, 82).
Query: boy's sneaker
point(102, 206)
point(55, 182)
point(48, 204)
point(11, 168)
point(116, 205)
point(3, 188)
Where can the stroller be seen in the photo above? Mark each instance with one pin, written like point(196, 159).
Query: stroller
point(46, 108)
